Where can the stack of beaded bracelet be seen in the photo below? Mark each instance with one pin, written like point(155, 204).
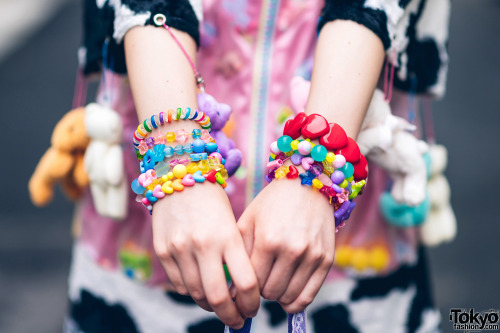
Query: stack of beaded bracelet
point(155, 121)
point(340, 175)
point(156, 180)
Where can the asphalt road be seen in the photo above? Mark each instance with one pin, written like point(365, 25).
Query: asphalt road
point(36, 87)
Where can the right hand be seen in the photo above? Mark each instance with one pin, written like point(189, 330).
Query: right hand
point(194, 233)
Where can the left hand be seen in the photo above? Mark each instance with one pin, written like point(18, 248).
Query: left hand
point(289, 233)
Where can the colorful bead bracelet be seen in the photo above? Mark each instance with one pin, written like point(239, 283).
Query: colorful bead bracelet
point(170, 137)
point(198, 150)
point(155, 121)
point(339, 175)
point(150, 188)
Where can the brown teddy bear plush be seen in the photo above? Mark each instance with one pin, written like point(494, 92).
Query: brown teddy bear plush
point(63, 162)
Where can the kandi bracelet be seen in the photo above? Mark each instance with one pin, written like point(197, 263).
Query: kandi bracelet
point(155, 121)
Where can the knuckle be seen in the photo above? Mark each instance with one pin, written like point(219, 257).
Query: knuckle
point(327, 261)
point(197, 294)
point(268, 294)
point(234, 322)
point(248, 286)
point(200, 241)
point(317, 254)
point(161, 251)
point(179, 243)
point(271, 244)
point(217, 300)
point(304, 301)
point(296, 250)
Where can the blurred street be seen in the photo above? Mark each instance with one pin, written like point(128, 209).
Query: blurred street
point(36, 89)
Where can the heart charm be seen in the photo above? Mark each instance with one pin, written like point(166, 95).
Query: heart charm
point(145, 201)
point(314, 127)
point(210, 176)
point(293, 173)
point(293, 126)
point(188, 180)
point(198, 177)
point(360, 169)
point(158, 193)
point(167, 187)
point(150, 196)
point(350, 152)
point(306, 162)
point(177, 185)
point(335, 138)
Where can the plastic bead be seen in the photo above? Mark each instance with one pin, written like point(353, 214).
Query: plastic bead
point(274, 148)
point(344, 183)
point(158, 193)
point(339, 161)
point(337, 177)
point(198, 177)
point(293, 126)
point(198, 157)
point(162, 168)
point(217, 156)
point(170, 136)
point(198, 146)
point(213, 163)
point(136, 187)
point(315, 126)
point(223, 172)
point(295, 144)
point(179, 171)
point(296, 159)
point(347, 169)
point(211, 147)
point(284, 143)
point(188, 148)
point(192, 168)
point(281, 172)
point(330, 157)
point(304, 147)
point(316, 183)
point(196, 133)
point(188, 180)
point(203, 166)
point(318, 153)
point(292, 172)
point(343, 256)
point(179, 150)
point(210, 176)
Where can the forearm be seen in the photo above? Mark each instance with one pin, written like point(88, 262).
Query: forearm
point(160, 75)
point(347, 65)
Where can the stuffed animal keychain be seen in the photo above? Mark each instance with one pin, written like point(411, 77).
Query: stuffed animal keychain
point(104, 161)
point(62, 163)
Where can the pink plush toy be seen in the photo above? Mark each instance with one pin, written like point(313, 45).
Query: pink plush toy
point(219, 115)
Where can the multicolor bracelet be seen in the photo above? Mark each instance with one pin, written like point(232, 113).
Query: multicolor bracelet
point(156, 121)
point(340, 175)
point(198, 150)
point(170, 137)
point(150, 188)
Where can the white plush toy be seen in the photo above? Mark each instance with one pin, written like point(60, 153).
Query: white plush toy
point(385, 140)
point(104, 161)
point(440, 225)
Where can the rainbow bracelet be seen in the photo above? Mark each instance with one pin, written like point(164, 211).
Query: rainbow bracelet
point(156, 121)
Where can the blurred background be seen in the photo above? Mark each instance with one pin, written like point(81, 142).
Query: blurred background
point(38, 46)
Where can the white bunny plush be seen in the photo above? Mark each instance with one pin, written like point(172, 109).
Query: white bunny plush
point(385, 140)
point(441, 224)
point(104, 161)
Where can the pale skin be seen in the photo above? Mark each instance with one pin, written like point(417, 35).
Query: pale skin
point(283, 245)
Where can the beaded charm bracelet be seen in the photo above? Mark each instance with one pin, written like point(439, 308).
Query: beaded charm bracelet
point(340, 175)
point(179, 136)
point(150, 188)
point(156, 121)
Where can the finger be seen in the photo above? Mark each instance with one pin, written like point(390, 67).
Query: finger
point(279, 277)
point(173, 273)
point(262, 262)
point(310, 290)
point(246, 226)
point(191, 278)
point(299, 279)
point(217, 291)
point(244, 279)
